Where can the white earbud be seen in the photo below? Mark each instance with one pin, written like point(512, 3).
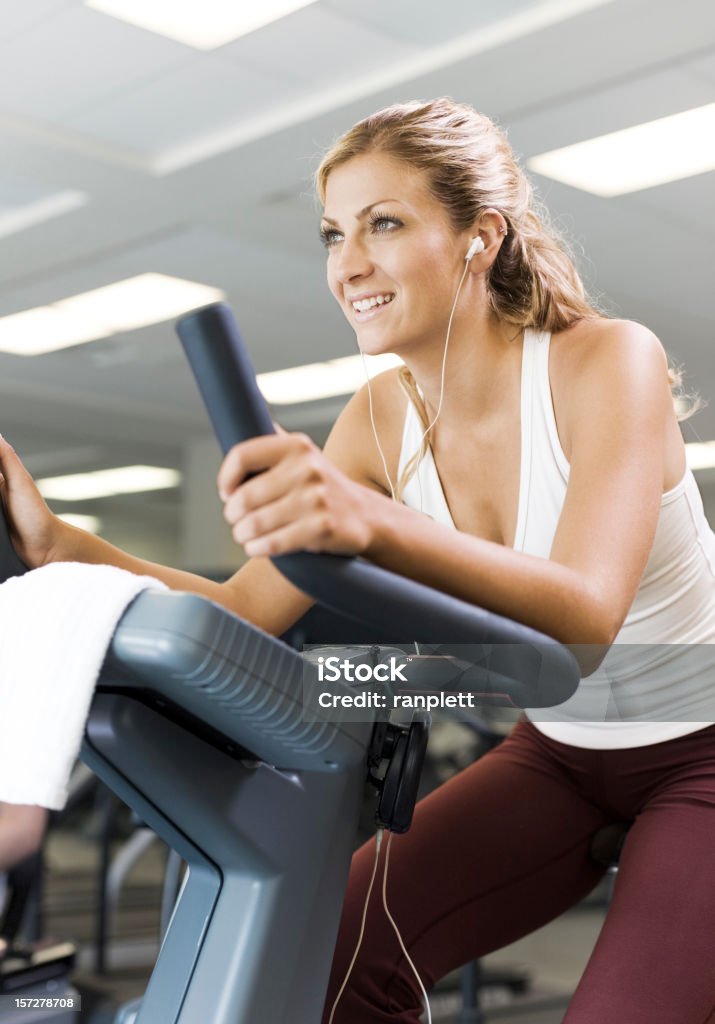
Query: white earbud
point(476, 246)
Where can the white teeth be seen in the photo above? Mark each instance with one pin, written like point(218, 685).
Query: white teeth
point(362, 305)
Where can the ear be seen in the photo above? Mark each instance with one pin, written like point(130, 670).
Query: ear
point(492, 227)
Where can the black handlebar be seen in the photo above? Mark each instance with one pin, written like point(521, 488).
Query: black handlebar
point(225, 375)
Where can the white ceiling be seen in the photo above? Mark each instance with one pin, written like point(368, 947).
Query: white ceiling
point(198, 164)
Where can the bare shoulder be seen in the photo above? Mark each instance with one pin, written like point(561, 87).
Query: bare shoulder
point(599, 343)
point(351, 444)
point(602, 363)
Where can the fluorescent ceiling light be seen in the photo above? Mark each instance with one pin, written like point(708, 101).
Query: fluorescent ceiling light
point(124, 306)
point(90, 524)
point(312, 381)
point(41, 330)
point(636, 158)
point(202, 25)
point(139, 301)
point(105, 483)
point(26, 215)
point(700, 455)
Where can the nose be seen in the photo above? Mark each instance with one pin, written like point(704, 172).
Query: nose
point(353, 261)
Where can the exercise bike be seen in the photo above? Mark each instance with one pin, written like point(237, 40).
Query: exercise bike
point(200, 725)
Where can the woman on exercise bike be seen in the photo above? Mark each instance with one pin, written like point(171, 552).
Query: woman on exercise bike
point(527, 458)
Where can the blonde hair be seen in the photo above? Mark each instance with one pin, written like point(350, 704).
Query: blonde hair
point(471, 167)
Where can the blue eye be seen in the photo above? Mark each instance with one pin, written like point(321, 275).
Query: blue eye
point(382, 222)
point(329, 236)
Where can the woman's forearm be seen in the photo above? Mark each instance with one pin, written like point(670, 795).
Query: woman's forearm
point(75, 545)
point(256, 592)
point(539, 593)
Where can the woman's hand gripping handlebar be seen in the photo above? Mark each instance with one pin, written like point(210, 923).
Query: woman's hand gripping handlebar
point(280, 492)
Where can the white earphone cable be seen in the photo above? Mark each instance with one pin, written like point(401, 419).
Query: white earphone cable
point(397, 932)
point(374, 428)
point(441, 395)
point(444, 357)
point(444, 365)
point(378, 844)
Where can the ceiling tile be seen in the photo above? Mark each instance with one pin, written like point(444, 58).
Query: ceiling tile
point(194, 100)
point(703, 66)
point(429, 24)
point(26, 16)
point(16, 192)
point(75, 56)
point(332, 47)
point(689, 202)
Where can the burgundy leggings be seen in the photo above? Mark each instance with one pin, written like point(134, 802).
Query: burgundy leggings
point(503, 848)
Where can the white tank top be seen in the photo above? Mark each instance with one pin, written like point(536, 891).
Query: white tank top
point(658, 679)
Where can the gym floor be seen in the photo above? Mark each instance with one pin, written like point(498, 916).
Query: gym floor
point(554, 957)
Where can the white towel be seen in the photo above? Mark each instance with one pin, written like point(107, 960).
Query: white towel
point(56, 624)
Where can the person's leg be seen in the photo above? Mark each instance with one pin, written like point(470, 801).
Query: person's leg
point(22, 827)
point(492, 855)
point(654, 961)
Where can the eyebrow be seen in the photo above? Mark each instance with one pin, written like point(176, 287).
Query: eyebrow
point(361, 214)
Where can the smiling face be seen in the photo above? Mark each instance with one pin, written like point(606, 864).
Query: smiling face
point(394, 258)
